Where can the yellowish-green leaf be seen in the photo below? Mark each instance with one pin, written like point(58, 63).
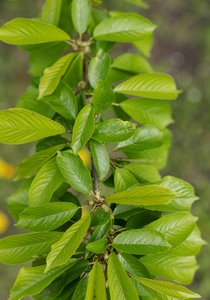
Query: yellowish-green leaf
point(22, 31)
point(52, 11)
point(19, 126)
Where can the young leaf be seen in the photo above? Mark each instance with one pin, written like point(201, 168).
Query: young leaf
point(176, 227)
point(46, 182)
point(143, 172)
point(172, 267)
point(53, 74)
point(113, 131)
point(52, 11)
point(143, 195)
point(34, 162)
point(123, 179)
point(99, 67)
point(18, 201)
point(29, 101)
point(141, 242)
point(148, 111)
point(103, 96)
point(22, 31)
point(125, 28)
point(83, 128)
point(120, 286)
point(132, 63)
point(156, 86)
point(47, 217)
point(68, 244)
point(98, 246)
point(31, 281)
point(19, 126)
point(16, 249)
point(96, 289)
point(144, 138)
point(159, 289)
point(74, 171)
point(63, 101)
point(100, 158)
point(81, 10)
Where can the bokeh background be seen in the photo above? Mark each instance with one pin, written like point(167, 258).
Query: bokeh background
point(182, 49)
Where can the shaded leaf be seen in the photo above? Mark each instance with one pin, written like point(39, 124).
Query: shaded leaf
point(103, 96)
point(100, 158)
point(98, 246)
point(123, 179)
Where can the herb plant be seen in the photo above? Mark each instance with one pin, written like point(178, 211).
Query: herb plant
point(139, 225)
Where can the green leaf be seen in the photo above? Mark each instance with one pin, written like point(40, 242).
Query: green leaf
point(68, 244)
point(81, 11)
point(132, 63)
point(123, 179)
point(16, 249)
point(148, 111)
point(120, 286)
point(100, 158)
point(83, 128)
point(57, 288)
point(19, 126)
point(156, 86)
point(143, 195)
point(96, 289)
point(113, 131)
point(46, 182)
point(47, 217)
point(103, 96)
point(18, 201)
point(132, 265)
point(22, 31)
point(76, 68)
point(181, 202)
point(172, 267)
point(100, 217)
point(50, 142)
point(81, 288)
point(159, 289)
point(142, 219)
point(53, 74)
point(125, 211)
point(98, 246)
point(143, 172)
point(63, 101)
point(52, 11)
point(141, 242)
point(99, 67)
point(191, 246)
point(139, 3)
point(29, 101)
point(145, 45)
point(125, 28)
point(34, 162)
point(176, 227)
point(144, 138)
point(74, 171)
point(31, 281)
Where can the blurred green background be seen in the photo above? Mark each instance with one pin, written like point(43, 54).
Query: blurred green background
point(182, 49)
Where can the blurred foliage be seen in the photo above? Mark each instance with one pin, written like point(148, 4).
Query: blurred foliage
point(181, 48)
